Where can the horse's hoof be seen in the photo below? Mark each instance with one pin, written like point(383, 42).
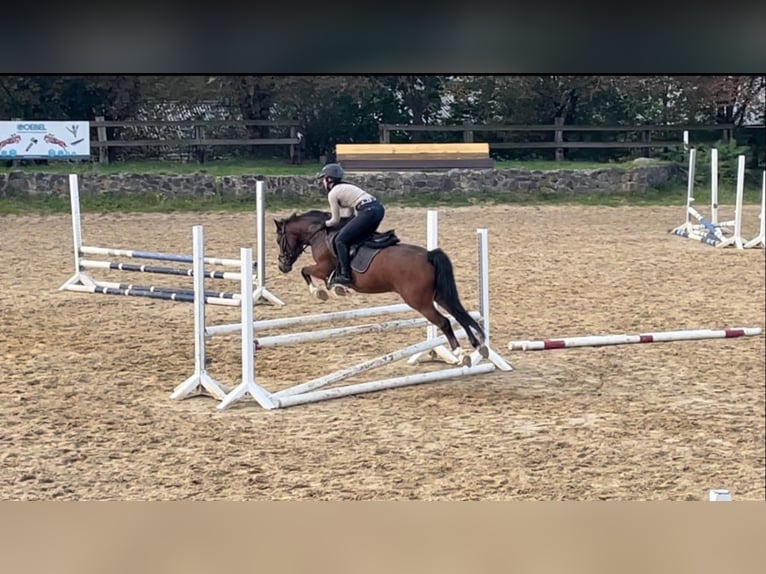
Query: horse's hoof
point(483, 351)
point(340, 290)
point(466, 361)
point(321, 294)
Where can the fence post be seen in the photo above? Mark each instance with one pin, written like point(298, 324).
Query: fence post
point(199, 134)
point(467, 135)
point(558, 137)
point(103, 151)
point(293, 135)
point(383, 134)
point(646, 137)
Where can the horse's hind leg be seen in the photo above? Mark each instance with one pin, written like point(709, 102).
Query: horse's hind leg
point(427, 309)
point(468, 325)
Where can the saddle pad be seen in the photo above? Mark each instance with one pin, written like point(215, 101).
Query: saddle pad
point(362, 254)
point(361, 260)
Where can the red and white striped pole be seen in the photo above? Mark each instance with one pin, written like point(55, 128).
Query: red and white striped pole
point(603, 340)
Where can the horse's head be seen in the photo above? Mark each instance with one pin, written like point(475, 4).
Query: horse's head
point(295, 233)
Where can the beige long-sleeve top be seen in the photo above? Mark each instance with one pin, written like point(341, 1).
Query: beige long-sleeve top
point(344, 196)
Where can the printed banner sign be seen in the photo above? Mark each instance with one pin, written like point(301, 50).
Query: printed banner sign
point(34, 139)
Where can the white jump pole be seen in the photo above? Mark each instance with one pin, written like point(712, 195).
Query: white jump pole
point(312, 319)
point(261, 292)
point(109, 288)
point(659, 337)
point(760, 240)
point(200, 382)
point(736, 239)
point(107, 251)
point(248, 385)
point(409, 380)
point(338, 332)
point(362, 367)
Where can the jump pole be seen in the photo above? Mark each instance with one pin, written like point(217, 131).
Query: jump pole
point(409, 380)
point(658, 337)
point(337, 332)
point(152, 292)
point(141, 268)
point(362, 367)
point(760, 240)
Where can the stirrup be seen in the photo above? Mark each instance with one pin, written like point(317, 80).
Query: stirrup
point(337, 278)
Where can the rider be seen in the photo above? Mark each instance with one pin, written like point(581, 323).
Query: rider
point(368, 212)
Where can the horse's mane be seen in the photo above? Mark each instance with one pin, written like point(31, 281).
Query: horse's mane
point(314, 215)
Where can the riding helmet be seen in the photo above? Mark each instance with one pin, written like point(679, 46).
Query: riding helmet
point(332, 170)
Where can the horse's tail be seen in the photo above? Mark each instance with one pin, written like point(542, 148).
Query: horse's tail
point(446, 295)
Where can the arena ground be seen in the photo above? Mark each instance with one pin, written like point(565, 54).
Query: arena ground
point(85, 412)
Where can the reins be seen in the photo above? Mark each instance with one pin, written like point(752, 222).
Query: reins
point(304, 244)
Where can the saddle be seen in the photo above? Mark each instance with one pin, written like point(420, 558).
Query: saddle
point(363, 252)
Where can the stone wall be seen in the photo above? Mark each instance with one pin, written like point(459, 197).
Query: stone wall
point(384, 184)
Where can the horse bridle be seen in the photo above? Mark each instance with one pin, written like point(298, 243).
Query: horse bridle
point(287, 254)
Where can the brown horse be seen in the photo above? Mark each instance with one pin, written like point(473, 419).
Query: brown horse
point(419, 276)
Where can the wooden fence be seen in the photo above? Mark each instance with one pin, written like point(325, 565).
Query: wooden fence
point(199, 140)
point(643, 137)
point(633, 137)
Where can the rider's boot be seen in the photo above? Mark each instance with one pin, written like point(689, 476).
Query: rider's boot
point(343, 276)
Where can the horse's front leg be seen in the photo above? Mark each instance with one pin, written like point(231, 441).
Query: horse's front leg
point(315, 277)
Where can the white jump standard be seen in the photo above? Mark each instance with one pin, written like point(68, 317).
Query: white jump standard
point(706, 231)
point(736, 239)
point(712, 232)
point(81, 281)
point(200, 382)
point(760, 239)
point(659, 337)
